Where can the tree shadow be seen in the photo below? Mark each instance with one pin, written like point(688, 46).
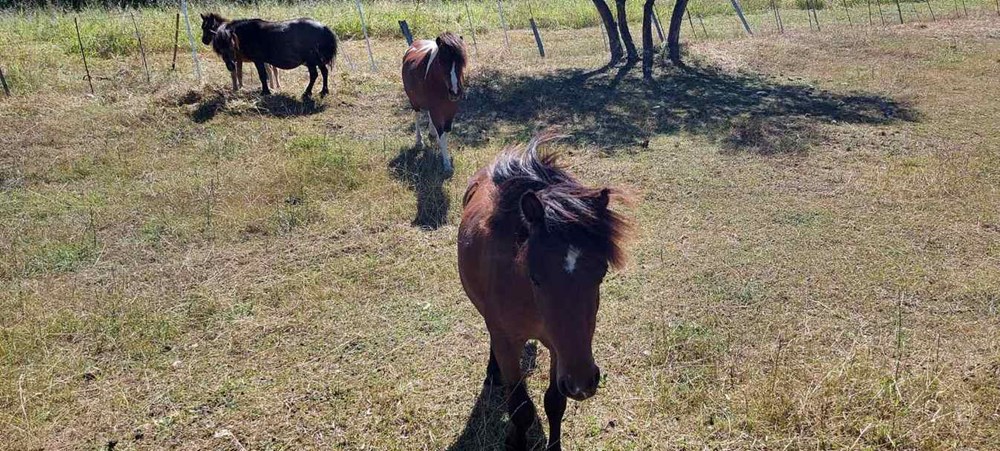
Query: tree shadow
point(423, 173)
point(486, 426)
point(211, 102)
point(618, 109)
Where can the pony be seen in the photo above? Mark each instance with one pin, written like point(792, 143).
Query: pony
point(210, 24)
point(434, 80)
point(286, 45)
point(534, 246)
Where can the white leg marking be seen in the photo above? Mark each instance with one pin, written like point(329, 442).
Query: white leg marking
point(571, 255)
point(416, 126)
point(443, 142)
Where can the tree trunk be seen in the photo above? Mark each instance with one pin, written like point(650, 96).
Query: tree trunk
point(648, 52)
point(674, 35)
point(633, 55)
point(609, 25)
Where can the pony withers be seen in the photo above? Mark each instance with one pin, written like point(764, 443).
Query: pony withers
point(534, 246)
point(434, 81)
point(210, 24)
point(284, 45)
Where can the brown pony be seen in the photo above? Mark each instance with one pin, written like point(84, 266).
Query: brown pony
point(210, 25)
point(533, 248)
point(434, 80)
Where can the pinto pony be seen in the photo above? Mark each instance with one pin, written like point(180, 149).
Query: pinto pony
point(284, 45)
point(210, 24)
point(434, 80)
point(534, 246)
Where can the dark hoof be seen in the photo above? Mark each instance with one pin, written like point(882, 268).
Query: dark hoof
point(265, 92)
point(307, 96)
point(323, 93)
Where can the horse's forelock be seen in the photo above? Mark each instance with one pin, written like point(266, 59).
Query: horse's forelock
point(573, 211)
point(452, 50)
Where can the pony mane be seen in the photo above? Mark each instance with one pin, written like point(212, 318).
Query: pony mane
point(454, 49)
point(216, 17)
point(572, 211)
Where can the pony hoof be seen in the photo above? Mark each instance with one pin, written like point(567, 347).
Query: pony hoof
point(265, 93)
point(323, 93)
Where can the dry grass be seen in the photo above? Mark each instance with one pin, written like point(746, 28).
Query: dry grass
point(816, 265)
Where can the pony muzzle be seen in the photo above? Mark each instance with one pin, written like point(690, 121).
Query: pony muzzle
point(581, 388)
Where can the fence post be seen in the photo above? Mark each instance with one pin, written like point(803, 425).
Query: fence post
point(702, 22)
point(468, 15)
point(405, 29)
point(848, 11)
point(691, 22)
point(142, 50)
point(777, 19)
point(364, 30)
point(659, 29)
point(3, 81)
point(83, 54)
point(933, 17)
point(177, 33)
point(534, 30)
point(194, 50)
point(739, 12)
point(899, 9)
point(503, 24)
point(881, 16)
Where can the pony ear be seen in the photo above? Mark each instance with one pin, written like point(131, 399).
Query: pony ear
point(438, 41)
point(532, 209)
point(203, 16)
point(602, 199)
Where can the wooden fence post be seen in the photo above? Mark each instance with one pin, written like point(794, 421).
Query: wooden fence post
point(659, 29)
point(702, 22)
point(142, 50)
point(848, 11)
point(777, 17)
point(177, 35)
point(900, 10)
point(194, 49)
point(3, 81)
point(534, 30)
point(364, 30)
point(503, 24)
point(83, 54)
point(743, 20)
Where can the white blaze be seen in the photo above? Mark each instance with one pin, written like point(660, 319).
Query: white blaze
point(454, 80)
point(571, 255)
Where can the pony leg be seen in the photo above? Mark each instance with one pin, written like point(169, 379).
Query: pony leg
point(493, 377)
point(312, 79)
point(323, 70)
point(443, 144)
point(555, 407)
point(519, 406)
point(272, 72)
point(262, 73)
point(416, 126)
point(430, 123)
point(234, 76)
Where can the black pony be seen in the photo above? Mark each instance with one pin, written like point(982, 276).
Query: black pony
point(286, 45)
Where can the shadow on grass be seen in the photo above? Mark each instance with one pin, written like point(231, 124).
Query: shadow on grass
point(486, 427)
point(422, 171)
point(210, 103)
point(615, 109)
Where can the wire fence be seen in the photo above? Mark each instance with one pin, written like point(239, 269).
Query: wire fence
point(166, 27)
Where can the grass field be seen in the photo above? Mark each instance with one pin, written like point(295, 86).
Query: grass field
point(817, 263)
